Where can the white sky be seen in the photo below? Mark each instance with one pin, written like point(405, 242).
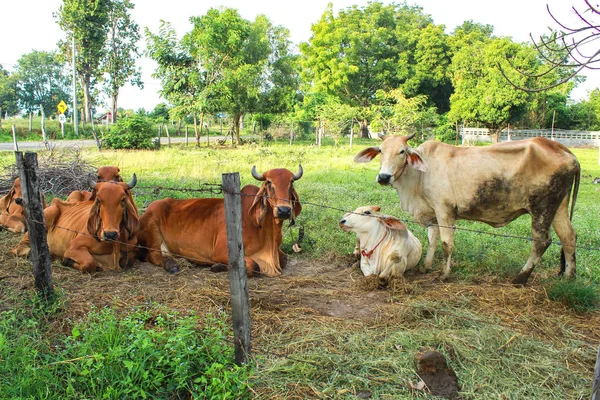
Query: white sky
point(29, 25)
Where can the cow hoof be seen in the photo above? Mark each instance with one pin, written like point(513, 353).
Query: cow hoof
point(218, 267)
point(520, 279)
point(443, 277)
point(68, 262)
point(171, 267)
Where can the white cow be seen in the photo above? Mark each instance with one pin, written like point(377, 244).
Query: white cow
point(387, 248)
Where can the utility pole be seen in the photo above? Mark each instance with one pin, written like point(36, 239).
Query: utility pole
point(75, 125)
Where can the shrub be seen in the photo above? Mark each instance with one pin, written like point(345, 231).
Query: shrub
point(575, 294)
point(134, 132)
point(151, 352)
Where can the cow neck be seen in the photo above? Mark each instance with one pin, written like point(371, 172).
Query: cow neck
point(368, 254)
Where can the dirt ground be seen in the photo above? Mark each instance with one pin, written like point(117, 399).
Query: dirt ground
point(326, 290)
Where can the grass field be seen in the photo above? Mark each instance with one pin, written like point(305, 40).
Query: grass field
point(323, 331)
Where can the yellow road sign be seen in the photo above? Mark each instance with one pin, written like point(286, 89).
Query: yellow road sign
point(62, 107)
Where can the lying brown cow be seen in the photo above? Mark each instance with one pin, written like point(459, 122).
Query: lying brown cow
point(92, 234)
point(105, 174)
point(195, 228)
point(12, 217)
point(439, 184)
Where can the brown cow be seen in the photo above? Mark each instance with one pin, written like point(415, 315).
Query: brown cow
point(12, 216)
point(438, 184)
point(100, 232)
point(195, 228)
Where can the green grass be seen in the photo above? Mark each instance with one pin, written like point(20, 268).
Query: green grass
point(318, 357)
point(148, 352)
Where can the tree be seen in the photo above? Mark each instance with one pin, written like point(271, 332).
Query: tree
point(121, 52)
point(480, 91)
point(363, 50)
point(42, 82)
point(8, 94)
point(397, 113)
point(87, 21)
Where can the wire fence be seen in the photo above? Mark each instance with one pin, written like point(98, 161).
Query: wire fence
point(215, 189)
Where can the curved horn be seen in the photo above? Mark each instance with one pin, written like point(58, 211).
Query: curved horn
point(132, 182)
point(91, 182)
point(381, 136)
point(412, 135)
point(256, 175)
point(298, 174)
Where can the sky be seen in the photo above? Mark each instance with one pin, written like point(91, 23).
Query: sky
point(29, 25)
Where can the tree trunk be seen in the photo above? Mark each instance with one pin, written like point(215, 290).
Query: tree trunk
point(196, 130)
point(30, 121)
point(43, 124)
point(236, 127)
point(113, 117)
point(364, 128)
point(0, 117)
point(201, 125)
point(494, 135)
point(87, 99)
point(179, 127)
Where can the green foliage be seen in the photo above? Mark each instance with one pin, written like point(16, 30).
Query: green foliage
point(577, 294)
point(151, 352)
point(8, 94)
point(41, 82)
point(134, 132)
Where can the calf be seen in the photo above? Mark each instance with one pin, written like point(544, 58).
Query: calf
point(387, 248)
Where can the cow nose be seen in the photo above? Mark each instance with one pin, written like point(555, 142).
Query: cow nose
point(384, 179)
point(19, 201)
point(111, 235)
point(283, 212)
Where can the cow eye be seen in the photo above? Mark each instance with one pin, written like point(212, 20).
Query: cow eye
point(402, 151)
point(367, 212)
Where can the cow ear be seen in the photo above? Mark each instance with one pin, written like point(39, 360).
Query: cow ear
point(296, 202)
point(393, 222)
point(10, 196)
point(258, 209)
point(94, 221)
point(367, 155)
point(130, 219)
point(415, 160)
point(376, 208)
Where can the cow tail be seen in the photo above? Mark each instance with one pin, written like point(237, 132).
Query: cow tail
point(563, 261)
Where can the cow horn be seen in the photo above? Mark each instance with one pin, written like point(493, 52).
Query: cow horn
point(256, 175)
point(132, 182)
point(91, 182)
point(381, 136)
point(298, 174)
point(412, 135)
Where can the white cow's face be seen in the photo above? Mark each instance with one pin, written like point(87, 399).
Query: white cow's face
point(396, 156)
point(362, 220)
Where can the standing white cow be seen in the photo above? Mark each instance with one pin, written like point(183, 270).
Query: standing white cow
point(438, 184)
point(387, 248)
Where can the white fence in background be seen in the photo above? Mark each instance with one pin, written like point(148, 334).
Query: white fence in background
point(568, 138)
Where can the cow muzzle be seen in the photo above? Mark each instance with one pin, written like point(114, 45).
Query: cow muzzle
point(110, 235)
point(284, 212)
point(384, 179)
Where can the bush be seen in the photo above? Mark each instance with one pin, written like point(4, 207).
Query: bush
point(134, 132)
point(151, 352)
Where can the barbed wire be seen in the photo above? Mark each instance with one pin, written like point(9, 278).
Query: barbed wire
point(218, 189)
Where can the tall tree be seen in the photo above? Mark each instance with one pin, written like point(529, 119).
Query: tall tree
point(362, 50)
point(42, 82)
point(121, 52)
point(481, 93)
point(8, 94)
point(87, 21)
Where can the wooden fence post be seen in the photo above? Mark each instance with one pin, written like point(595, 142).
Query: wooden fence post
point(186, 135)
point(596, 384)
point(238, 281)
point(36, 226)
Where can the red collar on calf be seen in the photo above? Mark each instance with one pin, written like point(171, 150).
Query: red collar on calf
point(368, 254)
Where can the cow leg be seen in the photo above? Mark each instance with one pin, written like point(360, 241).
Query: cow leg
point(541, 241)
point(81, 259)
point(447, 236)
point(564, 230)
point(283, 258)
point(23, 248)
point(433, 234)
